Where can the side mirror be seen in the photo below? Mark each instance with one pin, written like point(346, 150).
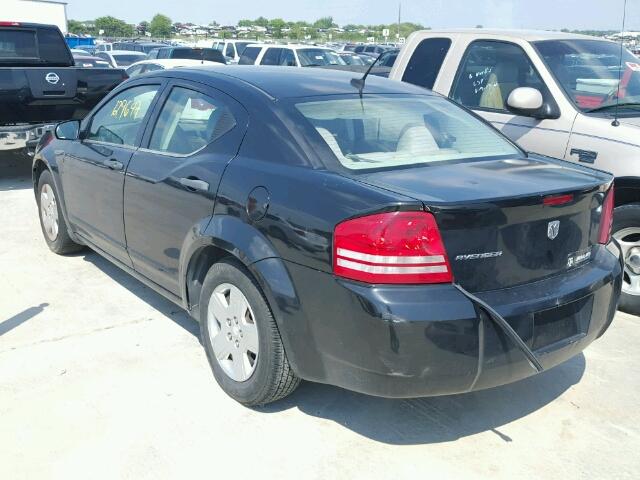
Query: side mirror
point(529, 102)
point(68, 130)
point(525, 99)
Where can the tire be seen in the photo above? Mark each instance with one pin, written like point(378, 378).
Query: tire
point(49, 211)
point(263, 376)
point(625, 219)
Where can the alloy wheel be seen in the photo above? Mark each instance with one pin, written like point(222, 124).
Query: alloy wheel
point(49, 212)
point(233, 332)
point(629, 240)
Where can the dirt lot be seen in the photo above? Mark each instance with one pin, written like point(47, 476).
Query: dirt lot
point(102, 378)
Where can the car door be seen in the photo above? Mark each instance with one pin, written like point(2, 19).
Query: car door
point(489, 71)
point(93, 168)
point(171, 183)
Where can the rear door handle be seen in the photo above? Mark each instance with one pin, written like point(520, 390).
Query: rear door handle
point(194, 184)
point(113, 164)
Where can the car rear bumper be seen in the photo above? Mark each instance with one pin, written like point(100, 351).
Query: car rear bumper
point(22, 136)
point(412, 341)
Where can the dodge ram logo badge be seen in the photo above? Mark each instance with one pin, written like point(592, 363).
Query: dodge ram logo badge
point(552, 229)
point(52, 78)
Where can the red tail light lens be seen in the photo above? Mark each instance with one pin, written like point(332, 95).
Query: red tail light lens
point(555, 200)
point(397, 247)
point(9, 24)
point(606, 218)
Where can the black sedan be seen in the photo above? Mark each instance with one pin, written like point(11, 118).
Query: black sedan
point(377, 237)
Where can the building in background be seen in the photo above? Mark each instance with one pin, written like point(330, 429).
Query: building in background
point(51, 12)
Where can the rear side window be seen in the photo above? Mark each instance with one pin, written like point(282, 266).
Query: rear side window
point(229, 51)
point(249, 56)
point(119, 121)
point(271, 56)
point(189, 120)
point(425, 63)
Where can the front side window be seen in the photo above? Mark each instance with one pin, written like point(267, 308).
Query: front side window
point(390, 131)
point(425, 62)
point(119, 121)
point(590, 72)
point(287, 58)
point(271, 56)
point(190, 120)
point(249, 56)
point(229, 52)
point(490, 71)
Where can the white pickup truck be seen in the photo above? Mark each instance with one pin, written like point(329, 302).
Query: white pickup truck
point(553, 93)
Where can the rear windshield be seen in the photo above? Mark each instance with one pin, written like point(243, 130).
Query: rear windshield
point(208, 54)
point(42, 45)
point(391, 131)
point(124, 59)
point(316, 57)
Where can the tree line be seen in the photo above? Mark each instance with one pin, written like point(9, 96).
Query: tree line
point(161, 26)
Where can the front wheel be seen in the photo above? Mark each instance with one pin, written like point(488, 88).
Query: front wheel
point(241, 337)
point(626, 230)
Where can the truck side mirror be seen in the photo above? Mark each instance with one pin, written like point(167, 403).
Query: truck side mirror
point(68, 130)
point(529, 102)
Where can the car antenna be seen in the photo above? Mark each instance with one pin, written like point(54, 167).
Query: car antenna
point(359, 82)
point(615, 122)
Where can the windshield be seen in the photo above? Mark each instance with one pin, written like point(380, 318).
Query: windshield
point(392, 131)
point(589, 71)
point(318, 57)
point(125, 59)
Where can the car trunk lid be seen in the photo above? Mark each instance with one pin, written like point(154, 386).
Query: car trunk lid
point(507, 222)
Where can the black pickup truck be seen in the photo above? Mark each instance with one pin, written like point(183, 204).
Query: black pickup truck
point(40, 86)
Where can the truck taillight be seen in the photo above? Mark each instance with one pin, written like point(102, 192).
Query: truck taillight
point(606, 217)
point(395, 247)
point(9, 24)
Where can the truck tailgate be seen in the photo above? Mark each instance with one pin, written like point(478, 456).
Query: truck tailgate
point(50, 94)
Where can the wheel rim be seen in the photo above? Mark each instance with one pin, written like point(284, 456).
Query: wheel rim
point(629, 240)
point(49, 212)
point(233, 332)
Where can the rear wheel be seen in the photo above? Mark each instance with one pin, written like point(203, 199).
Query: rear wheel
point(241, 337)
point(54, 228)
point(626, 230)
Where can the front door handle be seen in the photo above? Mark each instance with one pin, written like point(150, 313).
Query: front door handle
point(113, 164)
point(194, 184)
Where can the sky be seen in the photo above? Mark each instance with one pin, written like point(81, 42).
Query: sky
point(539, 14)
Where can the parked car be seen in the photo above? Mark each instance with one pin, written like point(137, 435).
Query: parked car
point(121, 58)
point(207, 54)
point(146, 66)
point(104, 47)
point(554, 93)
point(371, 50)
point(289, 55)
point(89, 61)
point(40, 84)
point(350, 58)
point(137, 46)
point(377, 237)
point(231, 48)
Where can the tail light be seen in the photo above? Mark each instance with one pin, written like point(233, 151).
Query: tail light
point(606, 218)
point(396, 247)
point(9, 24)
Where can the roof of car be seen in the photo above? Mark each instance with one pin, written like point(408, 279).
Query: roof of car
point(294, 46)
point(175, 62)
point(286, 82)
point(125, 52)
point(528, 35)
